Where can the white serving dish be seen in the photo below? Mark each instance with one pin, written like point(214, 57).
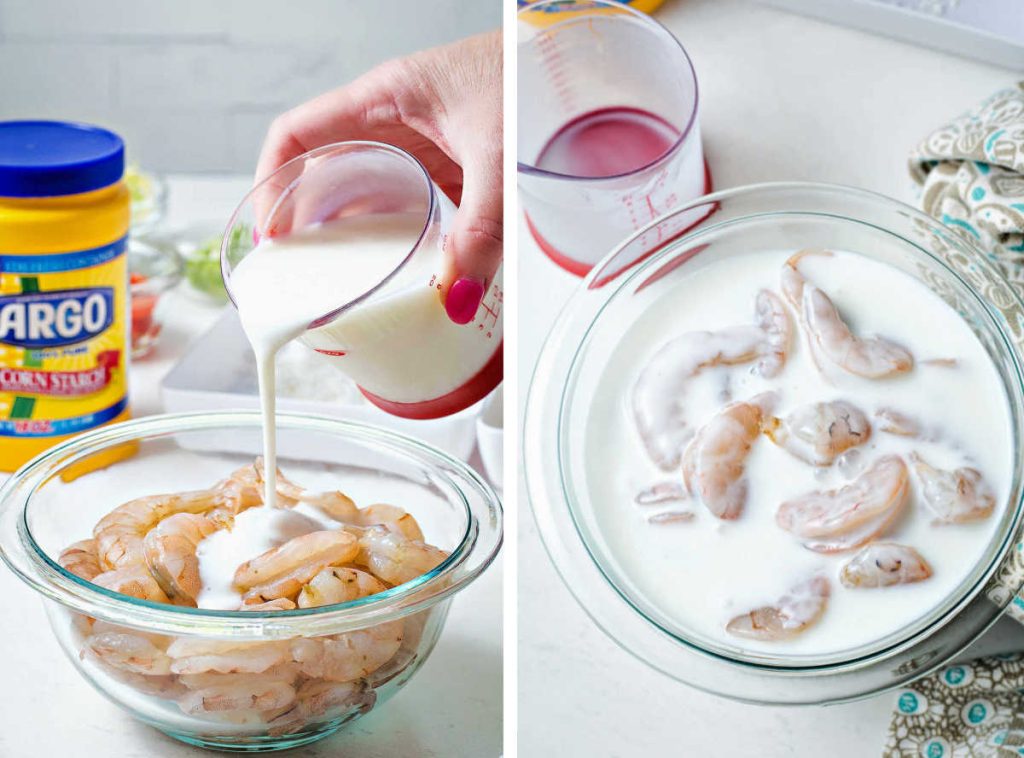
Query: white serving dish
point(986, 30)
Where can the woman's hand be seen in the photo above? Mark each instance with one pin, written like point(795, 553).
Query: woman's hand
point(445, 107)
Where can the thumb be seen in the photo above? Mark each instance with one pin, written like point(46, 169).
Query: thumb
point(476, 237)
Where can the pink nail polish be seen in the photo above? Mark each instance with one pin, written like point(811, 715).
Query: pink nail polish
point(463, 299)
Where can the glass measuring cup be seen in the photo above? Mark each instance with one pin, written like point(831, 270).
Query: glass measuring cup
point(609, 138)
point(395, 339)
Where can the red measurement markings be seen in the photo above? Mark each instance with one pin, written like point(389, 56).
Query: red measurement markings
point(553, 63)
point(492, 311)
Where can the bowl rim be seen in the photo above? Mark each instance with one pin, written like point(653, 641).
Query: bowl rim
point(477, 548)
point(543, 463)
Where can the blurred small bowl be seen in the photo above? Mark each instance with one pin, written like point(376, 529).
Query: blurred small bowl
point(198, 245)
point(154, 268)
point(148, 197)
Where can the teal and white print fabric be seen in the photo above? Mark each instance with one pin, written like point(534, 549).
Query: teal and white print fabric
point(970, 710)
point(972, 174)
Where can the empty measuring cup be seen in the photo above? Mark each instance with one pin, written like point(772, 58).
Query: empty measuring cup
point(377, 227)
point(608, 132)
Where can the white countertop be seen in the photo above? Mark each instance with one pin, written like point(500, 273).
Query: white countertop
point(782, 97)
point(452, 707)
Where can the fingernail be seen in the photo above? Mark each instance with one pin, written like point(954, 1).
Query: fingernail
point(463, 299)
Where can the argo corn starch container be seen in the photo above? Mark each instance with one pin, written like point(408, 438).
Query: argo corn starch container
point(64, 328)
point(645, 6)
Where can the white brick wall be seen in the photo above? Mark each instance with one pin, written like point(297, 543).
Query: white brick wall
point(193, 84)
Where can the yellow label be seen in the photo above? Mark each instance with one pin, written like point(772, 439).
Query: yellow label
point(549, 14)
point(63, 334)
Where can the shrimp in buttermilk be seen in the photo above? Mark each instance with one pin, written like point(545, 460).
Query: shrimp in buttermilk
point(820, 432)
point(872, 357)
point(793, 613)
point(852, 515)
point(714, 461)
point(657, 396)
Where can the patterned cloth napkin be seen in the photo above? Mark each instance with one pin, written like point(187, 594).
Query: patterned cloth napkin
point(972, 174)
point(967, 710)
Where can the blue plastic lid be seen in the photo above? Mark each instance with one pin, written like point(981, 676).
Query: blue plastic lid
point(48, 158)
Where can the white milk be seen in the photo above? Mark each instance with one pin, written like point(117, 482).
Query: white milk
point(255, 531)
point(283, 285)
point(699, 575)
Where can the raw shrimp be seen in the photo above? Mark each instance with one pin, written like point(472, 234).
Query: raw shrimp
point(882, 564)
point(170, 549)
point(338, 585)
point(196, 656)
point(167, 687)
point(281, 571)
point(393, 558)
point(350, 655)
point(792, 614)
point(895, 422)
point(316, 698)
point(81, 626)
point(401, 661)
point(955, 497)
point(852, 515)
point(242, 489)
point(128, 651)
point(134, 580)
point(81, 560)
point(340, 507)
point(714, 461)
point(280, 604)
point(672, 517)
point(334, 505)
point(131, 657)
point(819, 432)
point(283, 672)
point(119, 535)
point(286, 488)
point(662, 492)
point(412, 635)
point(394, 518)
point(871, 357)
point(658, 393)
point(774, 321)
point(792, 280)
point(255, 694)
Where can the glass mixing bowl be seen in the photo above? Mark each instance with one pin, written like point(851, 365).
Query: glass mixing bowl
point(588, 337)
point(117, 642)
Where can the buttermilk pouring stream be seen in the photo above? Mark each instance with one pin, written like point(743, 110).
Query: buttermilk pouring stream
point(349, 257)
